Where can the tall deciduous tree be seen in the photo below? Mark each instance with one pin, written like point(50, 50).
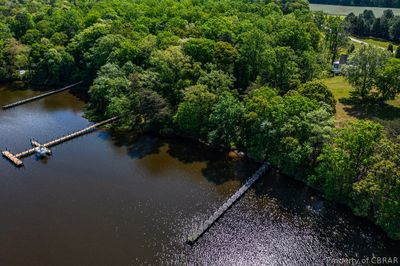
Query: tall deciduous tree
point(318, 91)
point(192, 116)
point(364, 66)
point(388, 79)
point(225, 120)
point(347, 159)
point(335, 36)
point(397, 54)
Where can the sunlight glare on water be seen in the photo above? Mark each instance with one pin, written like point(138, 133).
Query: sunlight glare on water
point(109, 199)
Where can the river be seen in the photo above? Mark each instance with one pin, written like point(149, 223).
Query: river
point(107, 199)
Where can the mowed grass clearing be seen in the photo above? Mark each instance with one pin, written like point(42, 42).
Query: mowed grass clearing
point(345, 111)
point(341, 89)
point(376, 42)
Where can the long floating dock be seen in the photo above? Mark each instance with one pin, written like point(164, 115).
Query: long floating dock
point(16, 158)
point(213, 218)
point(11, 105)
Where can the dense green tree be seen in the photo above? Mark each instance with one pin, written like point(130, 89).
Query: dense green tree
point(394, 30)
point(68, 21)
point(361, 167)
point(218, 28)
point(200, 49)
point(14, 56)
point(335, 36)
point(280, 68)
point(110, 85)
point(259, 105)
point(385, 20)
point(5, 32)
point(397, 54)
point(289, 130)
point(225, 56)
point(84, 40)
point(53, 66)
point(317, 90)
point(22, 22)
point(192, 116)
point(363, 68)
point(346, 159)
point(102, 51)
point(252, 45)
point(176, 71)
point(385, 27)
point(351, 48)
point(225, 121)
point(377, 195)
point(388, 79)
point(376, 29)
point(292, 5)
point(31, 36)
point(216, 80)
point(154, 111)
point(3, 62)
point(305, 126)
point(390, 48)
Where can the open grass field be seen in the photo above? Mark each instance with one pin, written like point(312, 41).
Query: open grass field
point(380, 43)
point(345, 10)
point(341, 90)
point(348, 109)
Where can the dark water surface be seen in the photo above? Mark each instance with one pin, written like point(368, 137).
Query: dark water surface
point(103, 199)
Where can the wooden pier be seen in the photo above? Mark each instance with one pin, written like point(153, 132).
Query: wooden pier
point(11, 105)
point(213, 218)
point(12, 158)
point(16, 158)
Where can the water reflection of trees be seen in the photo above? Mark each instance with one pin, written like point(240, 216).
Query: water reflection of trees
point(219, 169)
point(138, 146)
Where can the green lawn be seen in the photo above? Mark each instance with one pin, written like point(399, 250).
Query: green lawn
point(395, 102)
point(339, 87)
point(376, 42)
point(341, 90)
point(346, 109)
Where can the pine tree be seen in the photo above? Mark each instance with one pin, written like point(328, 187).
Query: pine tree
point(390, 48)
point(397, 55)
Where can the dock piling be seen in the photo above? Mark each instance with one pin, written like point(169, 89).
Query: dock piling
point(11, 105)
point(12, 158)
point(221, 210)
point(16, 158)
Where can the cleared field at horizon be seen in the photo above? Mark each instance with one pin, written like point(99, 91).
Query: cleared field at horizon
point(345, 10)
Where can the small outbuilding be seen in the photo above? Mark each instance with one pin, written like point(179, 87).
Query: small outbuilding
point(337, 65)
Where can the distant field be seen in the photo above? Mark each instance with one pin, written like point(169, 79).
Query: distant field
point(377, 42)
point(372, 41)
point(345, 10)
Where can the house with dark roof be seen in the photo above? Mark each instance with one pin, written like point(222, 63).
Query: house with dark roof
point(337, 65)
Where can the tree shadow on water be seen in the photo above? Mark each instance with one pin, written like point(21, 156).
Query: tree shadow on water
point(288, 193)
point(222, 171)
point(138, 146)
point(190, 151)
point(219, 167)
